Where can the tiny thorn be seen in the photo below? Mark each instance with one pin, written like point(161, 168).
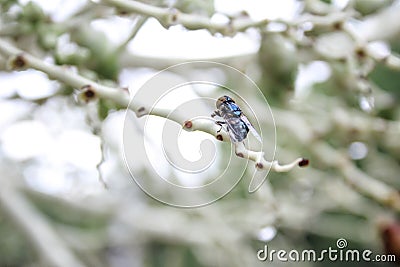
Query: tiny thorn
point(219, 137)
point(141, 109)
point(304, 162)
point(188, 124)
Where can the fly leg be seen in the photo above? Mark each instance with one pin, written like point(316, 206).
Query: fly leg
point(215, 113)
point(220, 123)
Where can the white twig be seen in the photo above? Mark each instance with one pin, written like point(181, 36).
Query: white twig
point(136, 28)
point(263, 164)
point(171, 16)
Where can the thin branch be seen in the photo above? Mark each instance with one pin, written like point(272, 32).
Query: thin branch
point(363, 49)
point(98, 166)
point(360, 181)
point(94, 123)
point(382, 25)
point(21, 60)
point(90, 90)
point(336, 20)
point(138, 25)
point(171, 16)
point(263, 164)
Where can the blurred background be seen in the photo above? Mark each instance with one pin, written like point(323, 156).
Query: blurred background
point(328, 69)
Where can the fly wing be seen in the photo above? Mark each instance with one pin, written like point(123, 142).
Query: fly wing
point(236, 128)
point(251, 128)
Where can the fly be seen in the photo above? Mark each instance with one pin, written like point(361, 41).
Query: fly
point(236, 122)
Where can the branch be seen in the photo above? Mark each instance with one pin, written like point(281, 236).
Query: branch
point(381, 26)
point(171, 16)
point(20, 60)
point(90, 90)
point(360, 181)
point(363, 50)
point(138, 25)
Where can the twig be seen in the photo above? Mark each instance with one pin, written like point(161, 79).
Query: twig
point(360, 181)
point(138, 25)
point(363, 50)
point(21, 60)
point(382, 25)
point(171, 16)
point(98, 166)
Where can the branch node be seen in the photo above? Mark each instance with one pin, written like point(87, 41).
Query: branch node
point(259, 165)
point(88, 93)
point(170, 18)
point(17, 62)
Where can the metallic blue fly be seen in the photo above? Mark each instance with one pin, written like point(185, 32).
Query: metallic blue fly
point(237, 123)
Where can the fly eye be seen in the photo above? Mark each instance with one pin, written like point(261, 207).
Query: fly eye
point(220, 100)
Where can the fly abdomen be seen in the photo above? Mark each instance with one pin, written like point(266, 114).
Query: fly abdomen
point(237, 128)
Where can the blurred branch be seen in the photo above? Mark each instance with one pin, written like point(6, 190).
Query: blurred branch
point(363, 50)
point(19, 60)
point(172, 16)
point(360, 181)
point(348, 123)
point(138, 25)
point(130, 59)
point(382, 25)
point(44, 239)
